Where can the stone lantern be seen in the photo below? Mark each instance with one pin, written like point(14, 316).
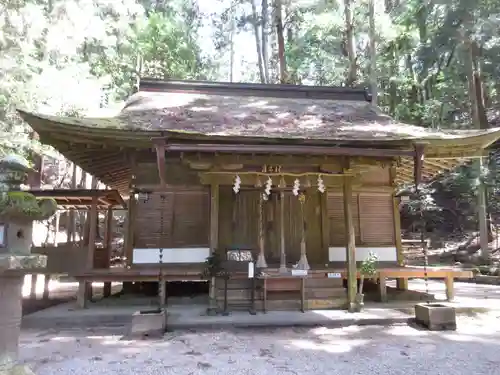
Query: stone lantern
point(18, 210)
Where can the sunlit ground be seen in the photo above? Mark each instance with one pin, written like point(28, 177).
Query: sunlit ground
point(352, 350)
point(56, 288)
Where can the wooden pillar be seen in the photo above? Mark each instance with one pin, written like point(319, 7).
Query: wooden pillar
point(214, 218)
point(214, 241)
point(92, 233)
point(303, 263)
point(81, 294)
point(350, 245)
point(34, 278)
point(402, 284)
point(283, 268)
point(261, 260)
point(129, 235)
point(107, 243)
point(325, 226)
point(46, 291)
point(85, 288)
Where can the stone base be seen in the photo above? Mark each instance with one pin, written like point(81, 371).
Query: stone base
point(436, 317)
point(148, 323)
point(10, 318)
point(17, 370)
point(11, 262)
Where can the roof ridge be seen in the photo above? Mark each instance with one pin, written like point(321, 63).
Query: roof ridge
point(256, 89)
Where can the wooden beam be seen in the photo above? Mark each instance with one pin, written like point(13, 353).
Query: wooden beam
point(287, 149)
point(274, 158)
point(350, 245)
point(160, 160)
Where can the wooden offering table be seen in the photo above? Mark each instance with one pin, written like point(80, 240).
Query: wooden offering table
point(283, 283)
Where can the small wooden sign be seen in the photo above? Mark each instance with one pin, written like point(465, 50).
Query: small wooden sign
point(299, 272)
point(271, 168)
point(334, 275)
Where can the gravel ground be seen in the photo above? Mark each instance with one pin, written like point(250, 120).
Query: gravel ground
point(354, 350)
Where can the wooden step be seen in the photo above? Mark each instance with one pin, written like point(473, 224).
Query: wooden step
point(323, 283)
point(326, 293)
point(285, 305)
point(235, 283)
point(238, 294)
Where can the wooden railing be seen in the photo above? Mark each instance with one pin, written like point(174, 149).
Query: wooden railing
point(71, 258)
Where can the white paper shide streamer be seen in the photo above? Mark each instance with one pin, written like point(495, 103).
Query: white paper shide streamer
point(237, 184)
point(321, 185)
point(267, 189)
point(296, 187)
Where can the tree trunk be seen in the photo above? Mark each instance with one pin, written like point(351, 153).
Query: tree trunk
point(258, 45)
point(350, 44)
point(278, 20)
point(373, 53)
point(470, 58)
point(263, 29)
point(231, 51)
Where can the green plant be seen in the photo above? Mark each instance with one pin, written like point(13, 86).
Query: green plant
point(22, 205)
point(368, 269)
point(213, 267)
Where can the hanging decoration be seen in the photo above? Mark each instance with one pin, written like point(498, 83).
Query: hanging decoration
point(267, 189)
point(258, 183)
point(307, 184)
point(296, 187)
point(237, 184)
point(282, 184)
point(321, 185)
point(302, 198)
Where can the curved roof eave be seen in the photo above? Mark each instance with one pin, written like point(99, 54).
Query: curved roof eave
point(85, 129)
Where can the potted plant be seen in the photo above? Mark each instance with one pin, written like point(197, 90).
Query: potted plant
point(367, 270)
point(212, 270)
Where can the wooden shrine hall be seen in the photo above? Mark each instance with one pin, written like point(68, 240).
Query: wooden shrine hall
point(304, 177)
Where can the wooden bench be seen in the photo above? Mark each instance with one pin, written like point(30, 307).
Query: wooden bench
point(448, 275)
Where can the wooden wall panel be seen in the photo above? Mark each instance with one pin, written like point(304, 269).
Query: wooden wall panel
point(377, 219)
point(377, 176)
point(191, 218)
point(238, 219)
point(335, 209)
point(147, 228)
point(185, 219)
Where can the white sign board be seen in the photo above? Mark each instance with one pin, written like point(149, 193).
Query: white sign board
point(299, 272)
point(334, 275)
point(251, 270)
